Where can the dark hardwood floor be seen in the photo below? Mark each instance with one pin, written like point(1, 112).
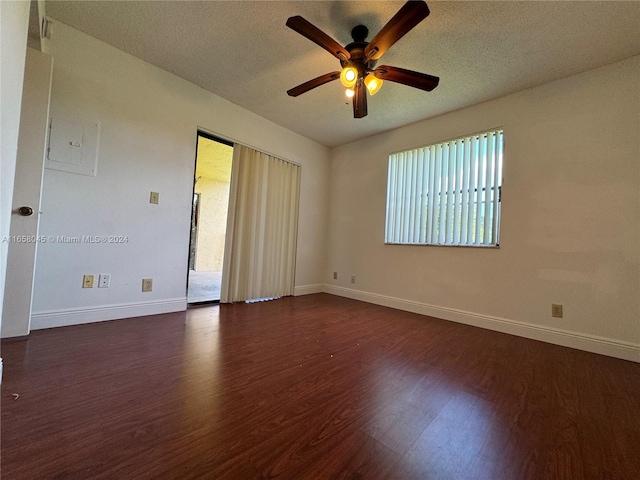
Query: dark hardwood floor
point(313, 387)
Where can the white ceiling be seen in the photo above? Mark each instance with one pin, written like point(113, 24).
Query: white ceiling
point(243, 52)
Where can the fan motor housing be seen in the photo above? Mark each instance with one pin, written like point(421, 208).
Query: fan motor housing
point(356, 49)
point(358, 58)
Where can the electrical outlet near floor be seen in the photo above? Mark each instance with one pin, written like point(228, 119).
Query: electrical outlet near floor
point(104, 280)
point(335, 275)
point(556, 310)
point(147, 284)
point(154, 198)
point(87, 281)
point(353, 279)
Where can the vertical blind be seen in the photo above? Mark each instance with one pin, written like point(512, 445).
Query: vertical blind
point(447, 193)
point(262, 227)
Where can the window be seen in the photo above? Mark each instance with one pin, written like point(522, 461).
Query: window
point(447, 193)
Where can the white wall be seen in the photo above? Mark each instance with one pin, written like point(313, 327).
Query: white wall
point(570, 218)
point(14, 18)
point(149, 119)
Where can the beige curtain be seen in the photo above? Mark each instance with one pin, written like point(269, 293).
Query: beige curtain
point(262, 227)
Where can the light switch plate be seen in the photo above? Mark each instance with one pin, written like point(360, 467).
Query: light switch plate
point(87, 281)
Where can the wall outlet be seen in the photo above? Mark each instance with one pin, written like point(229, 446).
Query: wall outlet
point(104, 280)
point(556, 310)
point(147, 284)
point(353, 279)
point(335, 275)
point(87, 281)
point(154, 198)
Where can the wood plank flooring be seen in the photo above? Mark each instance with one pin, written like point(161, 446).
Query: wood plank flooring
point(313, 387)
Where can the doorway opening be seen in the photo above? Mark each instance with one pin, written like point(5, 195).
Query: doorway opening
point(212, 181)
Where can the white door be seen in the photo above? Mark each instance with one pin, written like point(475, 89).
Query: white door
point(23, 236)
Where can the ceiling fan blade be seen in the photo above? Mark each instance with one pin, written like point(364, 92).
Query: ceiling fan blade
point(317, 36)
point(311, 84)
point(411, 14)
point(360, 101)
point(407, 77)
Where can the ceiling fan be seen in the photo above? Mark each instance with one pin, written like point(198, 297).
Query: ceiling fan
point(358, 59)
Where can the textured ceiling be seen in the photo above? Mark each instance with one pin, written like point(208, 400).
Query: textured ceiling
point(243, 52)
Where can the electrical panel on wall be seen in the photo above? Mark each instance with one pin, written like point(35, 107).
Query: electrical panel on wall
point(73, 147)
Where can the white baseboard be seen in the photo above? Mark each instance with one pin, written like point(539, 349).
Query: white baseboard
point(308, 289)
point(77, 316)
point(556, 336)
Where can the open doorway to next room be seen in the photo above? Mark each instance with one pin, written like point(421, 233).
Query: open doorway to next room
point(209, 218)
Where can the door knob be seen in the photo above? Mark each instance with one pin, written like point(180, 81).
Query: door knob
point(25, 211)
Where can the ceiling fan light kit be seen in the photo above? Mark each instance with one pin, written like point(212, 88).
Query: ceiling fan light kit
point(373, 84)
point(349, 76)
point(358, 59)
